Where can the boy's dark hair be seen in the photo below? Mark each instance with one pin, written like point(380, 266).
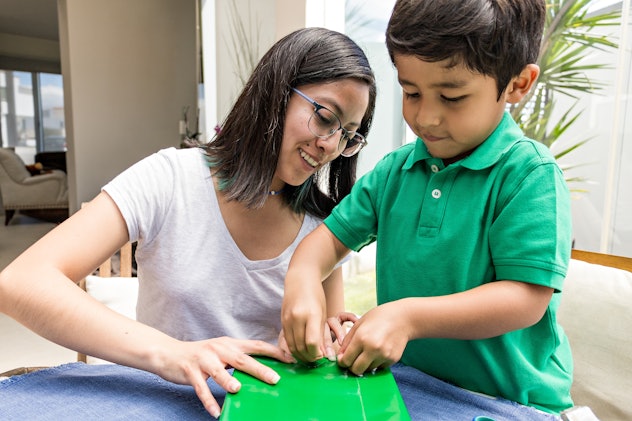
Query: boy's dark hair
point(245, 153)
point(497, 38)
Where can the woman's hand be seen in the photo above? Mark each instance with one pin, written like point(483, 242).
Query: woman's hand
point(194, 362)
point(338, 326)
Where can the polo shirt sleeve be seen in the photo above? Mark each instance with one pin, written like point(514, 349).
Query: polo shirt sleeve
point(354, 220)
point(533, 219)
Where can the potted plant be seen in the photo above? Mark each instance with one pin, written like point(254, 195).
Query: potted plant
point(569, 37)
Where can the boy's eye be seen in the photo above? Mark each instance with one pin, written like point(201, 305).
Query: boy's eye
point(452, 99)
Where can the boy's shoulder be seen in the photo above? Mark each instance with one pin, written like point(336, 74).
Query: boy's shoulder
point(399, 155)
point(528, 148)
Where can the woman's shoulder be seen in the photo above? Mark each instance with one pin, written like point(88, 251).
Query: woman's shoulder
point(181, 155)
point(310, 222)
point(176, 161)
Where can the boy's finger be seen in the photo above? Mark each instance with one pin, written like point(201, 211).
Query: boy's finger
point(328, 345)
point(314, 340)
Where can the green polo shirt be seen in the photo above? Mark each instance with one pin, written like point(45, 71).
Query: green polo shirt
point(502, 213)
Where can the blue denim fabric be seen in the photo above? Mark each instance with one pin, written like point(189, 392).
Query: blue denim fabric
point(77, 391)
point(428, 398)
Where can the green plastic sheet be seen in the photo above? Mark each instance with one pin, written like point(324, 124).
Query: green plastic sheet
point(320, 393)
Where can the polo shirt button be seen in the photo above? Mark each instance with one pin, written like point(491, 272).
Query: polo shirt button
point(436, 193)
point(434, 168)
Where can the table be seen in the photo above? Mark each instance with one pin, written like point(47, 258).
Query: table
point(77, 391)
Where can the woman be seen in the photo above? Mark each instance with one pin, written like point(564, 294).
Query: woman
point(216, 226)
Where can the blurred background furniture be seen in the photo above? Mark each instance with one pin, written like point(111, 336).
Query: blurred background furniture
point(596, 316)
point(115, 286)
point(37, 195)
point(52, 160)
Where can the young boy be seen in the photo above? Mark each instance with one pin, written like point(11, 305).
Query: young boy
point(472, 221)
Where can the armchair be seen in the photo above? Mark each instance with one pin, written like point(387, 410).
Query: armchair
point(22, 191)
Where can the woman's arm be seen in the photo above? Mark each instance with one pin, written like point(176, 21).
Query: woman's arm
point(39, 290)
point(334, 293)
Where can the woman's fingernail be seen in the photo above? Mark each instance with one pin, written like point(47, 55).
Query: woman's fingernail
point(233, 386)
point(215, 412)
point(274, 378)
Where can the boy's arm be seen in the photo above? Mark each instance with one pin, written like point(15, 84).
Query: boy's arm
point(378, 339)
point(305, 306)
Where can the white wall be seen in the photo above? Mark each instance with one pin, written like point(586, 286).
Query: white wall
point(129, 67)
point(267, 21)
point(387, 128)
point(28, 54)
point(602, 213)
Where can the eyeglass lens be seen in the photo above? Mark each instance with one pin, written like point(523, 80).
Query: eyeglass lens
point(325, 123)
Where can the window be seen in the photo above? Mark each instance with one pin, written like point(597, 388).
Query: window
point(365, 23)
point(32, 113)
point(601, 214)
point(51, 96)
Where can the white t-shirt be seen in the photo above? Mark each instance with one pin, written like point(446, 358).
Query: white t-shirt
point(194, 282)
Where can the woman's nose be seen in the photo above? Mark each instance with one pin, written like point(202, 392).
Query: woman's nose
point(329, 145)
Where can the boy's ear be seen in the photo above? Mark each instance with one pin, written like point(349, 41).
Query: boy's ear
point(522, 84)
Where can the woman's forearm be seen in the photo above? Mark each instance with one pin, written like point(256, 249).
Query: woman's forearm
point(54, 307)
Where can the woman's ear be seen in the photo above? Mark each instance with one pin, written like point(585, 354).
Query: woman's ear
point(520, 85)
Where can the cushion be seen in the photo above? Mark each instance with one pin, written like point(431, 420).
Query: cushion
point(118, 293)
point(596, 316)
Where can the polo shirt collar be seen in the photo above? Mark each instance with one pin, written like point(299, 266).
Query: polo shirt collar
point(506, 134)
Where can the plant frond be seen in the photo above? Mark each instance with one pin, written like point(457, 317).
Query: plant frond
point(567, 40)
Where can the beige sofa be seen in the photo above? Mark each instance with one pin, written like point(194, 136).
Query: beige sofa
point(596, 314)
point(22, 191)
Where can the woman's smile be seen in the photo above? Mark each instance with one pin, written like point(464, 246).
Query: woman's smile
point(308, 158)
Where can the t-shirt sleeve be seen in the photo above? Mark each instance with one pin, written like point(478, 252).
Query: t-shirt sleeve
point(143, 192)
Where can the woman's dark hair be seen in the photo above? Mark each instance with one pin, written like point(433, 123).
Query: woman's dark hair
point(245, 152)
point(497, 38)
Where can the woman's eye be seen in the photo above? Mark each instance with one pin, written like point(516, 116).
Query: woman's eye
point(325, 117)
point(409, 95)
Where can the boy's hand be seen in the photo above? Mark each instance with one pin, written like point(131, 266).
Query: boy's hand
point(303, 317)
point(376, 340)
point(333, 329)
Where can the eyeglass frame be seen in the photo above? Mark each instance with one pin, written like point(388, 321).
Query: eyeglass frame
point(344, 132)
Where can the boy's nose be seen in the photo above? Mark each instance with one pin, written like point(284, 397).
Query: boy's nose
point(427, 116)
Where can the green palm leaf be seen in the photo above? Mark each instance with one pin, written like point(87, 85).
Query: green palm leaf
point(567, 40)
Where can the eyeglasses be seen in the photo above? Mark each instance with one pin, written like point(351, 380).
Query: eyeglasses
point(324, 123)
